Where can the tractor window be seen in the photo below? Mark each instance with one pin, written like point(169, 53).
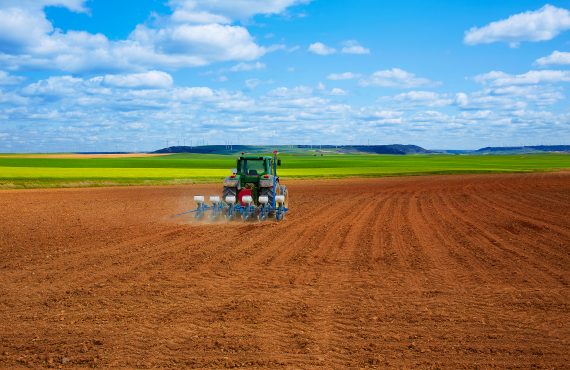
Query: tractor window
point(253, 167)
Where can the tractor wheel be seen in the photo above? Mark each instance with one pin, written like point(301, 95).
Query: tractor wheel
point(228, 191)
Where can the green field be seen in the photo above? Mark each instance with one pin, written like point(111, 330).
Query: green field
point(29, 172)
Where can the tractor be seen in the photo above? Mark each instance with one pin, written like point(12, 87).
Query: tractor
point(251, 192)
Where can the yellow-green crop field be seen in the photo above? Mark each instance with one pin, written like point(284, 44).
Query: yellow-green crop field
point(32, 172)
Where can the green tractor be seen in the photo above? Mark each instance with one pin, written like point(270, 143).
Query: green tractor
point(252, 191)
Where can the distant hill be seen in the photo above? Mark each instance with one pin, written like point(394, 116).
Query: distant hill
point(208, 149)
point(314, 149)
point(391, 149)
point(523, 149)
point(397, 149)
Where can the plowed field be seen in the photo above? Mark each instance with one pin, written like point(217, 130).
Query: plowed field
point(448, 271)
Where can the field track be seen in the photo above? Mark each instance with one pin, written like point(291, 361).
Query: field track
point(438, 271)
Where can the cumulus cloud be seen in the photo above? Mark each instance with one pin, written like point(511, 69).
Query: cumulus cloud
point(54, 86)
point(342, 76)
point(353, 47)
point(73, 5)
point(539, 25)
point(321, 49)
point(188, 93)
point(298, 91)
point(199, 17)
point(252, 83)
point(22, 30)
point(424, 98)
point(557, 57)
point(509, 98)
point(498, 78)
point(191, 45)
point(97, 87)
point(462, 99)
point(197, 33)
point(151, 79)
point(235, 9)
point(380, 116)
point(8, 79)
point(337, 92)
point(396, 78)
point(245, 67)
point(147, 116)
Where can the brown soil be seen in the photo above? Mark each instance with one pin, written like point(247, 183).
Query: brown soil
point(449, 271)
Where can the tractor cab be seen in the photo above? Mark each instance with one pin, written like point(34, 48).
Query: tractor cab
point(253, 167)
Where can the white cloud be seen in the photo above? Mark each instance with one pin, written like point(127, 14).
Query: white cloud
point(54, 86)
point(298, 91)
point(235, 9)
point(509, 98)
point(538, 94)
point(197, 33)
point(337, 92)
point(497, 78)
point(252, 83)
point(395, 77)
point(192, 45)
point(8, 79)
point(476, 114)
point(380, 116)
point(29, 40)
point(462, 99)
point(186, 93)
point(73, 5)
point(245, 67)
point(321, 49)
point(424, 98)
point(151, 79)
point(22, 30)
point(60, 86)
point(353, 47)
point(342, 76)
point(87, 113)
point(540, 25)
point(185, 16)
point(557, 57)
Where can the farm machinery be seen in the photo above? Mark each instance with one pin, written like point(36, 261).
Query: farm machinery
point(252, 192)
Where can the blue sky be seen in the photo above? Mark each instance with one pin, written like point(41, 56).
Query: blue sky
point(132, 75)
